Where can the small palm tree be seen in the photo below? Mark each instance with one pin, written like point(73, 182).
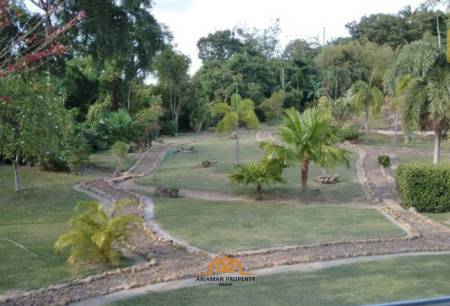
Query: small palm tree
point(93, 234)
point(367, 99)
point(238, 112)
point(307, 138)
point(263, 173)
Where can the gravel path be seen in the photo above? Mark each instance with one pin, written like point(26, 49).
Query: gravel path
point(176, 260)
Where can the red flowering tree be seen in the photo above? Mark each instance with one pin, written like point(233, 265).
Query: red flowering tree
point(30, 39)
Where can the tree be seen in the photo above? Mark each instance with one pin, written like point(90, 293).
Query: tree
point(239, 111)
point(93, 233)
point(273, 107)
point(366, 99)
point(33, 119)
point(119, 152)
point(199, 114)
point(172, 71)
point(148, 122)
point(307, 138)
point(427, 104)
point(30, 39)
point(220, 45)
point(122, 37)
point(404, 27)
point(263, 173)
point(396, 103)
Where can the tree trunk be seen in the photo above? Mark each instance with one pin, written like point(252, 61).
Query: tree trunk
point(396, 129)
point(16, 166)
point(116, 172)
point(437, 145)
point(237, 146)
point(304, 176)
point(259, 196)
point(366, 124)
point(129, 99)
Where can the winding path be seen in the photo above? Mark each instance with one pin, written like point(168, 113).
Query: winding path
point(173, 259)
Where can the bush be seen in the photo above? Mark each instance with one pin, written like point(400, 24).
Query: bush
point(424, 186)
point(384, 161)
point(168, 128)
point(115, 126)
point(350, 133)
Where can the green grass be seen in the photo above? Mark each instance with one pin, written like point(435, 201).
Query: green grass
point(443, 218)
point(218, 226)
point(358, 284)
point(105, 161)
point(35, 218)
point(177, 170)
point(421, 142)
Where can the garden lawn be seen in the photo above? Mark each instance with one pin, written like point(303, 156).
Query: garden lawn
point(233, 226)
point(184, 170)
point(443, 218)
point(421, 142)
point(358, 284)
point(35, 218)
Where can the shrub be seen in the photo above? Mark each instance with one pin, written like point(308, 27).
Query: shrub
point(424, 186)
point(350, 132)
point(384, 161)
point(116, 126)
point(168, 128)
point(169, 192)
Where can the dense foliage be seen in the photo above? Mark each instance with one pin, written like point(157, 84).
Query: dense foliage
point(425, 186)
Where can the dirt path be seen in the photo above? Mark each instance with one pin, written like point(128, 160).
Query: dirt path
point(174, 260)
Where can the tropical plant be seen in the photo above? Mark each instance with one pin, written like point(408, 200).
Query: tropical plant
point(119, 152)
point(263, 173)
point(93, 233)
point(396, 103)
point(307, 138)
point(238, 112)
point(367, 99)
point(116, 126)
point(427, 101)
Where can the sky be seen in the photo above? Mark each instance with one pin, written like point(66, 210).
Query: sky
point(190, 20)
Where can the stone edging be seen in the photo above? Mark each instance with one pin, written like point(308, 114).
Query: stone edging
point(83, 281)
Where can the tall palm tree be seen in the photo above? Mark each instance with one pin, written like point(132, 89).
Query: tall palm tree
point(427, 102)
point(396, 102)
point(93, 233)
point(238, 112)
point(307, 138)
point(367, 99)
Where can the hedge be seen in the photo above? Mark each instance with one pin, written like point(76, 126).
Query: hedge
point(424, 186)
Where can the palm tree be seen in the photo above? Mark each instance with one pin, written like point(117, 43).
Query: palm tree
point(427, 101)
point(93, 233)
point(263, 173)
point(307, 138)
point(396, 102)
point(367, 99)
point(238, 112)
